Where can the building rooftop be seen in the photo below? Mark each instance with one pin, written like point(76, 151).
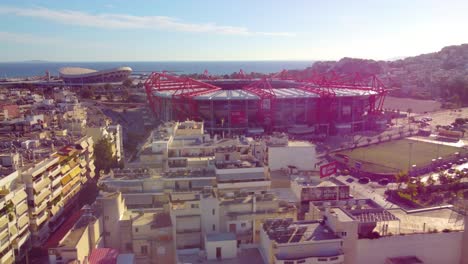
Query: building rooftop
point(362, 210)
point(286, 231)
point(404, 260)
point(103, 256)
point(284, 92)
point(220, 237)
point(247, 255)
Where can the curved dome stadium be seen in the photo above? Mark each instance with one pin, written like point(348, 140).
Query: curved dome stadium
point(82, 75)
point(240, 105)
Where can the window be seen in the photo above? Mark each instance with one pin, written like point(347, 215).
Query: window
point(136, 230)
point(213, 211)
point(322, 259)
point(194, 205)
point(128, 246)
point(214, 227)
point(334, 258)
point(301, 261)
point(289, 262)
point(144, 250)
point(243, 225)
point(343, 234)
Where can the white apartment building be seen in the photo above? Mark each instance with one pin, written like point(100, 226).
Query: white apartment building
point(53, 185)
point(14, 219)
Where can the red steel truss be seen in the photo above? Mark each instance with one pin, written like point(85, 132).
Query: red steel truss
point(262, 88)
point(184, 91)
point(325, 85)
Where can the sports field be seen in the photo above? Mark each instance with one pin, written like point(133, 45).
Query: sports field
point(394, 156)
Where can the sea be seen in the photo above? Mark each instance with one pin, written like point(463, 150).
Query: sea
point(38, 68)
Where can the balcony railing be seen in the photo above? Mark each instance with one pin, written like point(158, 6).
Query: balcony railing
point(188, 230)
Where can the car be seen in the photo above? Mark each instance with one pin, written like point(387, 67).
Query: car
point(384, 181)
point(350, 180)
point(364, 180)
point(451, 171)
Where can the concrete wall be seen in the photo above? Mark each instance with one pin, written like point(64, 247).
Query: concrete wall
point(82, 247)
point(316, 248)
point(228, 249)
point(430, 248)
point(304, 158)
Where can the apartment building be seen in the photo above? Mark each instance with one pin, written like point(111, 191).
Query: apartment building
point(80, 240)
point(53, 184)
point(146, 234)
point(312, 242)
point(14, 219)
point(195, 214)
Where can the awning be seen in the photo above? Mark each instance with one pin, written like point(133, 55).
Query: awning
point(66, 179)
point(64, 169)
point(75, 172)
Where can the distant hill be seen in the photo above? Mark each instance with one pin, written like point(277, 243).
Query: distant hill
point(442, 74)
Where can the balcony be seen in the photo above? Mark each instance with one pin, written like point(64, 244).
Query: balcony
point(4, 240)
point(23, 222)
point(56, 181)
point(38, 208)
point(39, 185)
point(188, 231)
point(43, 195)
point(38, 220)
point(21, 208)
point(21, 239)
point(7, 257)
point(54, 172)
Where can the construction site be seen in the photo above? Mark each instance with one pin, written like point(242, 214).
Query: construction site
point(323, 104)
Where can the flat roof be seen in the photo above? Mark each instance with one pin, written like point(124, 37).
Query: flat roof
point(78, 72)
point(280, 93)
point(286, 231)
point(220, 237)
point(404, 260)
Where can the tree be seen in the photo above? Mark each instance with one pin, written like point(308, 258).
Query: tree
point(412, 189)
point(103, 158)
point(369, 140)
point(127, 83)
point(400, 178)
point(107, 87)
point(409, 114)
point(87, 94)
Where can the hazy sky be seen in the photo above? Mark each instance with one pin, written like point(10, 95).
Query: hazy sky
point(137, 30)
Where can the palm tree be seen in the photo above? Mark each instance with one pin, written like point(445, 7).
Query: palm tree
point(409, 114)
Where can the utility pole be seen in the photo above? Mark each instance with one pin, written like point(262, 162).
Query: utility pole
point(409, 154)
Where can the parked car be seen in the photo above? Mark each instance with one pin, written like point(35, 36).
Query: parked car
point(384, 181)
point(364, 180)
point(350, 180)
